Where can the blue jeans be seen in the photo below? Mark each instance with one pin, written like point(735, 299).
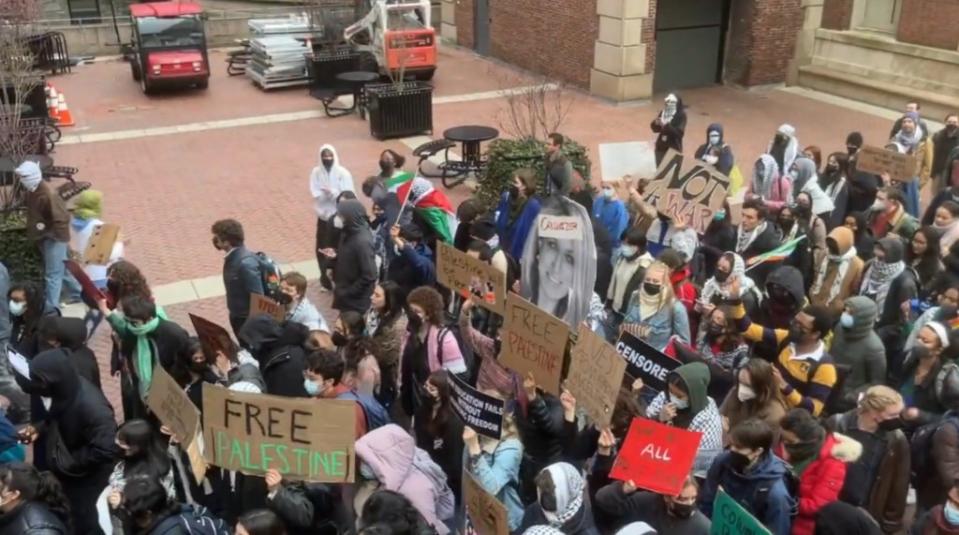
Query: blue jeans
point(55, 272)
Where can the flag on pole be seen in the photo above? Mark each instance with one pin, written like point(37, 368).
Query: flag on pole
point(432, 205)
point(776, 255)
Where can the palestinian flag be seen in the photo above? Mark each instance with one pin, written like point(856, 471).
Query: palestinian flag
point(430, 203)
point(776, 255)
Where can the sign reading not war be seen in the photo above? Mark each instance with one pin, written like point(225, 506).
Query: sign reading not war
point(687, 190)
point(645, 362)
point(304, 439)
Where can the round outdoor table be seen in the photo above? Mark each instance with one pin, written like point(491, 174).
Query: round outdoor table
point(471, 136)
point(356, 81)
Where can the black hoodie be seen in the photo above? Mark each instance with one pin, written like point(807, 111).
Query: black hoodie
point(354, 275)
point(279, 350)
point(71, 333)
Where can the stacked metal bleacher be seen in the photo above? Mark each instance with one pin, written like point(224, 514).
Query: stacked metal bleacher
point(278, 47)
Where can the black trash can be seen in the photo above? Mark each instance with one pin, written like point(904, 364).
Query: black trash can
point(400, 109)
point(323, 66)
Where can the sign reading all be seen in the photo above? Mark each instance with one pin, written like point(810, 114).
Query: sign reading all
point(656, 457)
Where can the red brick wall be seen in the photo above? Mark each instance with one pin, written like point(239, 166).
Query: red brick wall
point(762, 38)
point(551, 37)
point(649, 37)
point(464, 23)
point(930, 23)
point(836, 14)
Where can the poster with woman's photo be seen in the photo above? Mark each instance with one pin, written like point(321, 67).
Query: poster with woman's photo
point(559, 261)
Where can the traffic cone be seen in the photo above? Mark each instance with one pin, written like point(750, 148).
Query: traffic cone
point(53, 102)
point(64, 117)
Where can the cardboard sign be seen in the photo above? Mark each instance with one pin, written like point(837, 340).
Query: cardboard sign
point(261, 304)
point(735, 214)
point(194, 453)
point(486, 514)
point(901, 167)
point(595, 375)
point(304, 439)
point(730, 518)
point(100, 247)
point(172, 406)
point(656, 456)
point(213, 338)
point(645, 362)
point(471, 277)
point(633, 158)
point(534, 342)
point(688, 190)
point(481, 412)
point(560, 227)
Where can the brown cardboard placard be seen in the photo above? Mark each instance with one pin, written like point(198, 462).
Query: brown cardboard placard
point(471, 277)
point(304, 439)
point(534, 342)
point(213, 338)
point(487, 515)
point(735, 214)
point(687, 190)
point(875, 160)
point(261, 304)
point(172, 406)
point(194, 452)
point(595, 374)
point(100, 246)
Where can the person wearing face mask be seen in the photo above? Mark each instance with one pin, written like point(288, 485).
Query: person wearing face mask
point(784, 147)
point(721, 347)
point(410, 261)
point(837, 276)
point(322, 378)
point(388, 459)
point(628, 274)
point(928, 380)
point(805, 180)
point(26, 307)
point(914, 138)
point(517, 211)
point(834, 183)
point(141, 455)
point(879, 479)
point(299, 308)
point(946, 224)
point(73, 430)
point(783, 297)
point(686, 405)
point(653, 313)
point(562, 502)
point(819, 459)
point(684, 290)
point(943, 143)
point(945, 310)
point(241, 270)
point(71, 334)
point(675, 515)
point(925, 257)
point(670, 127)
point(755, 395)
point(715, 152)
point(811, 251)
point(610, 212)
point(943, 519)
point(327, 180)
point(355, 273)
point(862, 186)
point(280, 350)
point(770, 183)
point(750, 474)
point(892, 285)
point(857, 347)
point(949, 188)
point(719, 237)
point(31, 502)
point(439, 432)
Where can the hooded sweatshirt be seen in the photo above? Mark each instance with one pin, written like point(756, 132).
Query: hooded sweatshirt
point(768, 182)
point(860, 348)
point(326, 185)
point(86, 219)
point(278, 348)
point(806, 180)
point(71, 333)
point(354, 274)
point(723, 154)
point(702, 414)
point(838, 276)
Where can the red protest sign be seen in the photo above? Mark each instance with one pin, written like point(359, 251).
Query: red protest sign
point(656, 457)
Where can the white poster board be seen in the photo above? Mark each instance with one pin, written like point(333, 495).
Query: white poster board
point(634, 158)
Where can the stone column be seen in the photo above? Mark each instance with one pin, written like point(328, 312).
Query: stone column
point(620, 69)
point(812, 11)
point(448, 20)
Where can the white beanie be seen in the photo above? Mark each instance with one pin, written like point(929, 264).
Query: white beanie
point(636, 528)
point(30, 175)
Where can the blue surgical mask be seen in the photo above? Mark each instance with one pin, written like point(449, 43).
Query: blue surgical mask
point(846, 320)
point(628, 250)
point(951, 512)
point(714, 139)
point(681, 404)
point(17, 308)
point(719, 215)
point(312, 388)
point(608, 193)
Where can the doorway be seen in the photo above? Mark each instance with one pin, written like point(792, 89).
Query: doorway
point(481, 23)
point(690, 38)
point(881, 15)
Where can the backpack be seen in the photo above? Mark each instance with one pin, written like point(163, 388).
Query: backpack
point(453, 329)
point(920, 448)
point(376, 415)
point(270, 275)
point(196, 520)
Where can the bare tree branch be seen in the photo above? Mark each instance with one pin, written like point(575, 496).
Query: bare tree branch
point(533, 110)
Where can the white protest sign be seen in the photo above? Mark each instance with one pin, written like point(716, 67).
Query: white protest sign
point(560, 227)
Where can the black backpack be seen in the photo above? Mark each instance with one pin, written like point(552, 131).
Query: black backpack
point(920, 448)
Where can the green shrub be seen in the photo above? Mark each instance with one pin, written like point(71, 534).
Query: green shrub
point(20, 255)
point(507, 155)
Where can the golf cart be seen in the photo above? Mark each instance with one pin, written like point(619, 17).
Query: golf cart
point(168, 46)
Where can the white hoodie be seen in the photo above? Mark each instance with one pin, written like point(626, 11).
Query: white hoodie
point(326, 186)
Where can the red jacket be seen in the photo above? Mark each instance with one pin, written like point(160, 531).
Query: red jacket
point(822, 480)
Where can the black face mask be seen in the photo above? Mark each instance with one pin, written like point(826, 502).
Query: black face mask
point(513, 192)
point(891, 425)
point(339, 339)
point(832, 168)
point(738, 462)
point(651, 289)
point(386, 167)
point(920, 351)
point(721, 276)
point(795, 333)
point(113, 287)
point(948, 312)
point(682, 510)
point(802, 210)
point(714, 330)
point(328, 164)
point(284, 299)
point(778, 293)
point(851, 150)
point(197, 367)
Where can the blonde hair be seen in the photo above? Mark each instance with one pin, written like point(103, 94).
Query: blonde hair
point(879, 398)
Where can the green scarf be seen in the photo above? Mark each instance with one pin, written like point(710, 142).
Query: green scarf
point(144, 356)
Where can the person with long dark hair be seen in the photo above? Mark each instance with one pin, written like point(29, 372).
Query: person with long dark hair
point(385, 324)
point(756, 395)
point(923, 255)
point(439, 431)
point(26, 305)
point(833, 182)
point(862, 236)
point(142, 455)
point(395, 512)
point(32, 502)
point(260, 522)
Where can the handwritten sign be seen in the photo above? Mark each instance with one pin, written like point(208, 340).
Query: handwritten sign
point(100, 246)
point(213, 338)
point(687, 189)
point(656, 457)
point(486, 514)
point(730, 518)
point(471, 277)
point(595, 375)
point(560, 227)
point(534, 342)
point(645, 362)
point(304, 439)
point(901, 167)
point(175, 410)
point(261, 304)
point(480, 411)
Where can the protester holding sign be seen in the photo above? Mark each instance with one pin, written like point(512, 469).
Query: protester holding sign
point(439, 431)
point(543, 435)
point(562, 502)
point(495, 465)
point(673, 515)
point(654, 314)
